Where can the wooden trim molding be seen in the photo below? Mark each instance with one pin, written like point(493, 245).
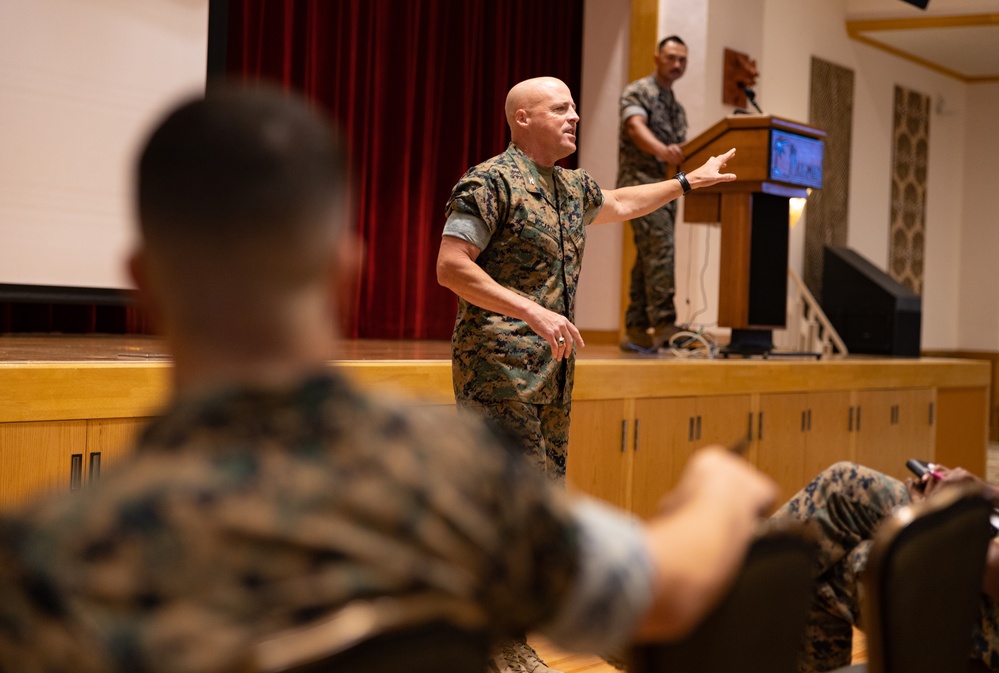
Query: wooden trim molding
point(865, 30)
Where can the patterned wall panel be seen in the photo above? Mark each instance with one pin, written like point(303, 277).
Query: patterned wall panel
point(908, 188)
point(831, 110)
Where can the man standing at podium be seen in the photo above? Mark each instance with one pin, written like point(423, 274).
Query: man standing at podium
point(653, 124)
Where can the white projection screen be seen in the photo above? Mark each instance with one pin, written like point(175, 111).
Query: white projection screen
point(81, 81)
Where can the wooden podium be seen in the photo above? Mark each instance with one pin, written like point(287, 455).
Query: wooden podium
point(775, 160)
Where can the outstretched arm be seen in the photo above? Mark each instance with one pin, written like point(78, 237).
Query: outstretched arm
point(626, 203)
point(457, 271)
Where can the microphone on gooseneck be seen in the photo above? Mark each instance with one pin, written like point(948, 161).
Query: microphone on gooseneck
point(751, 97)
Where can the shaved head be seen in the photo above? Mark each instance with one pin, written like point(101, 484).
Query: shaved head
point(542, 118)
point(527, 95)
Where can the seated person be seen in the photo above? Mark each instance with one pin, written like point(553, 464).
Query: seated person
point(271, 491)
point(844, 505)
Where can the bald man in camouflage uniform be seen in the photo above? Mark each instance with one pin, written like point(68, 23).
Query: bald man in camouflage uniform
point(537, 219)
point(512, 251)
point(271, 493)
point(844, 505)
point(653, 125)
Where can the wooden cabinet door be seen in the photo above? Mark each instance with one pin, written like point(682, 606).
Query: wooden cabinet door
point(800, 434)
point(893, 426)
point(599, 449)
point(722, 419)
point(828, 439)
point(878, 433)
point(108, 441)
point(40, 457)
point(662, 443)
point(915, 417)
point(962, 416)
point(781, 440)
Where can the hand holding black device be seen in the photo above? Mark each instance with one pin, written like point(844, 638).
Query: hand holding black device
point(919, 467)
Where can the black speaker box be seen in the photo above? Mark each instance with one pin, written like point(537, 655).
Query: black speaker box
point(873, 313)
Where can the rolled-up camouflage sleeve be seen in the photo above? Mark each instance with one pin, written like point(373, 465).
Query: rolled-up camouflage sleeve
point(479, 196)
point(593, 198)
point(632, 104)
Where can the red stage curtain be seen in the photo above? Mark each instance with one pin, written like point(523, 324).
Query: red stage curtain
point(418, 87)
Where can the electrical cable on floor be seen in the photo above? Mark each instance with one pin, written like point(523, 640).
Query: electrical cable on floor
point(690, 344)
point(692, 341)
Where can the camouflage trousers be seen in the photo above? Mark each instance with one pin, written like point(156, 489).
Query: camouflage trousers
point(843, 506)
point(541, 429)
point(652, 276)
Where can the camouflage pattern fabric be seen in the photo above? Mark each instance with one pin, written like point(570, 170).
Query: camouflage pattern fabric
point(843, 506)
point(652, 276)
point(665, 118)
point(249, 511)
point(542, 429)
point(653, 284)
point(535, 249)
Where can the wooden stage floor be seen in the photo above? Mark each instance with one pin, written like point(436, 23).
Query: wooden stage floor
point(72, 348)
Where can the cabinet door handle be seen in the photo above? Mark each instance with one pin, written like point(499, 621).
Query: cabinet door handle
point(624, 434)
point(75, 471)
point(698, 427)
point(809, 420)
point(850, 429)
point(636, 433)
point(802, 420)
point(759, 427)
point(94, 468)
point(749, 428)
point(858, 417)
point(690, 429)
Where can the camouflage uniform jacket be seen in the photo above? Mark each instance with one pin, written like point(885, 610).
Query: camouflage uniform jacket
point(535, 249)
point(665, 118)
point(249, 511)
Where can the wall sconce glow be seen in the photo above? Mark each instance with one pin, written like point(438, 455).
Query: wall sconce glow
point(796, 207)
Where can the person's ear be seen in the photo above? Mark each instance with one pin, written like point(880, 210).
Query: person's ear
point(345, 276)
point(521, 117)
point(138, 271)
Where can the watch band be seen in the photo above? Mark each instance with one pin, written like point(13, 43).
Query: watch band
point(681, 177)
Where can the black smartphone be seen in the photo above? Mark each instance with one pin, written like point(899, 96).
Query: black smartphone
point(918, 467)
